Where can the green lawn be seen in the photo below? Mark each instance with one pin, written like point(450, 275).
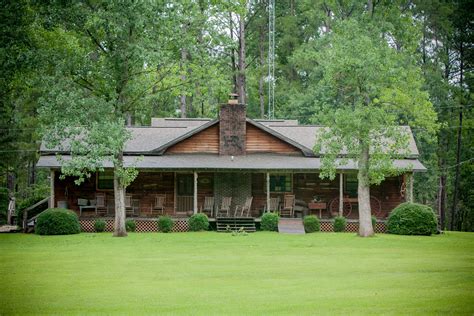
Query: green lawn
point(216, 273)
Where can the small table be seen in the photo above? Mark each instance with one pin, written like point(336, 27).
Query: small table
point(318, 206)
point(90, 207)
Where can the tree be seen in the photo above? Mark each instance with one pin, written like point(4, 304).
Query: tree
point(362, 88)
point(18, 136)
point(108, 60)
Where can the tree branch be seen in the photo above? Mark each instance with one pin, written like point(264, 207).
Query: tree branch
point(96, 41)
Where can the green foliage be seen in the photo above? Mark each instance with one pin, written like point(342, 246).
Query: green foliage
point(57, 222)
point(198, 222)
point(340, 224)
point(412, 219)
point(99, 225)
point(269, 222)
point(165, 224)
point(311, 224)
point(32, 195)
point(240, 232)
point(130, 225)
point(374, 221)
point(362, 88)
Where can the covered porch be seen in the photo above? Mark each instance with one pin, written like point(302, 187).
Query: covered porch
point(180, 194)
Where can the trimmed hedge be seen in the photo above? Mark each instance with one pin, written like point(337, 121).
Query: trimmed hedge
point(130, 225)
point(165, 224)
point(412, 219)
point(57, 221)
point(99, 225)
point(339, 224)
point(311, 224)
point(269, 222)
point(198, 222)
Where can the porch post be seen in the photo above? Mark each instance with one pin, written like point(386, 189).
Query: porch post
point(268, 192)
point(341, 193)
point(51, 188)
point(409, 187)
point(195, 206)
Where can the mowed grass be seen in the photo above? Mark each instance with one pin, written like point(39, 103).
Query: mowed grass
point(216, 273)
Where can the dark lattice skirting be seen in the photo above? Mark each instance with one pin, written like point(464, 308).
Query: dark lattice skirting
point(143, 225)
point(352, 226)
point(181, 225)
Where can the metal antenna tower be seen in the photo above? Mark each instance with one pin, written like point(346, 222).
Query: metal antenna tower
point(271, 59)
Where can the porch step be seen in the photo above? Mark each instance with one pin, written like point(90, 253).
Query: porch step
point(291, 226)
point(224, 224)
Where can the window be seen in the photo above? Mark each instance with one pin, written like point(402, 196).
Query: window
point(185, 184)
point(105, 180)
point(351, 184)
point(281, 182)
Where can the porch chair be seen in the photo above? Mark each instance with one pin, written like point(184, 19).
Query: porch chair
point(159, 204)
point(274, 205)
point(101, 202)
point(131, 205)
point(288, 206)
point(208, 206)
point(225, 207)
point(244, 209)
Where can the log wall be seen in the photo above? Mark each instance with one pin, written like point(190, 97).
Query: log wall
point(259, 141)
point(206, 141)
point(256, 141)
point(148, 184)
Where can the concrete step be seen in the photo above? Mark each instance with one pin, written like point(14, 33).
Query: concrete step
point(291, 226)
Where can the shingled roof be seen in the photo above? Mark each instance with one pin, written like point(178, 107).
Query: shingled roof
point(153, 141)
point(249, 162)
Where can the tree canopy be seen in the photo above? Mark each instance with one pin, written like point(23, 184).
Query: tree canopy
point(84, 69)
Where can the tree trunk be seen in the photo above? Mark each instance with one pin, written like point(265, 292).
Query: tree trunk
point(119, 196)
point(442, 198)
point(32, 173)
point(11, 192)
point(241, 75)
point(363, 190)
point(261, 77)
point(182, 98)
point(232, 55)
point(454, 223)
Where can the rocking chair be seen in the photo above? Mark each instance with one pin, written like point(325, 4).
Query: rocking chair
point(274, 205)
point(159, 204)
point(288, 206)
point(225, 207)
point(244, 209)
point(208, 206)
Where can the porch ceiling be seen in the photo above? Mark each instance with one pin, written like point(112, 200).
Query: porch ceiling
point(249, 162)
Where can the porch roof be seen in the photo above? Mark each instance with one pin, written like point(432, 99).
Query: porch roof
point(216, 162)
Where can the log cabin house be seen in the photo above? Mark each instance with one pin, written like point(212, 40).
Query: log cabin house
point(183, 161)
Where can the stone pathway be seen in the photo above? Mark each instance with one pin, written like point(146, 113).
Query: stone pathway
point(291, 226)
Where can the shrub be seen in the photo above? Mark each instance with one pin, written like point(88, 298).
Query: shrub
point(269, 222)
point(99, 225)
point(165, 224)
point(311, 224)
point(339, 224)
point(57, 221)
point(198, 222)
point(374, 221)
point(412, 219)
point(130, 225)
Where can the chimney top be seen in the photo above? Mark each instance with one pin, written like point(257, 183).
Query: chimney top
point(233, 98)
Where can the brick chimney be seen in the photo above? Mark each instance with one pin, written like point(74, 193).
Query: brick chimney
point(232, 128)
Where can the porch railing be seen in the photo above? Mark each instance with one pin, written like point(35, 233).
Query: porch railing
point(184, 203)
